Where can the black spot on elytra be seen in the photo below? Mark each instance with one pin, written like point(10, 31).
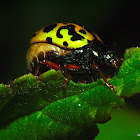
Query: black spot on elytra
point(59, 35)
point(49, 40)
point(65, 43)
point(82, 31)
point(49, 28)
point(71, 31)
point(89, 41)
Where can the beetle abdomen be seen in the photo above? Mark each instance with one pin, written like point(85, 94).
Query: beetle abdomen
point(39, 51)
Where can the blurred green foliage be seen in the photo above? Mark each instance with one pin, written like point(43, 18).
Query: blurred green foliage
point(124, 125)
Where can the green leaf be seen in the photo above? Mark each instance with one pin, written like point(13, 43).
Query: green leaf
point(32, 108)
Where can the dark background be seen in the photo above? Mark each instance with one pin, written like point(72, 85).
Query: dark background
point(117, 22)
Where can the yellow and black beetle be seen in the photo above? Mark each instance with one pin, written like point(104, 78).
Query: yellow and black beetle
point(69, 47)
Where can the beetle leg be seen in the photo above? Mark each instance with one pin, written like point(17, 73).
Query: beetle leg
point(71, 67)
point(83, 82)
point(37, 69)
point(50, 64)
point(116, 65)
point(68, 76)
point(94, 66)
point(67, 79)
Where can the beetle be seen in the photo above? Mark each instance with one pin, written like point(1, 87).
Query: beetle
point(70, 48)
